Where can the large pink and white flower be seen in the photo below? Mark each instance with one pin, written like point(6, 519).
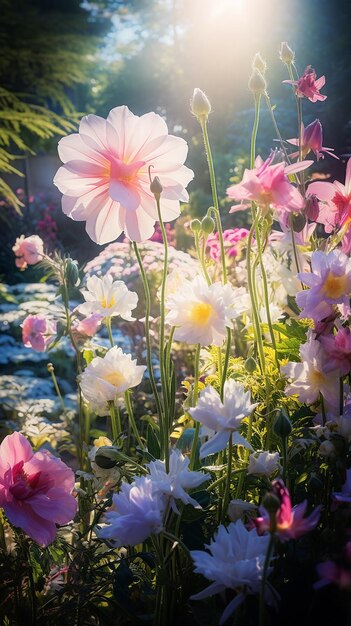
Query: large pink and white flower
point(335, 201)
point(267, 185)
point(105, 176)
point(35, 489)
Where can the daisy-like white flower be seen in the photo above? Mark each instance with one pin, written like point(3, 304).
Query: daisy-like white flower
point(263, 463)
point(235, 561)
point(309, 378)
point(173, 483)
point(105, 378)
point(329, 284)
point(136, 514)
point(105, 176)
point(108, 297)
point(224, 418)
point(201, 313)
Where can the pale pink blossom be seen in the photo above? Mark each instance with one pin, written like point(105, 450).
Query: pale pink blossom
point(35, 489)
point(269, 187)
point(335, 202)
point(307, 86)
point(312, 140)
point(309, 378)
point(88, 326)
point(232, 238)
point(289, 522)
point(105, 176)
point(338, 350)
point(28, 251)
point(38, 332)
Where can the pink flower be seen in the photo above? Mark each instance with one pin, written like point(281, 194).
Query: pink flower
point(312, 139)
point(338, 351)
point(329, 284)
point(335, 198)
point(28, 251)
point(289, 522)
point(38, 332)
point(35, 489)
point(338, 574)
point(307, 86)
point(88, 326)
point(268, 185)
point(231, 240)
point(105, 177)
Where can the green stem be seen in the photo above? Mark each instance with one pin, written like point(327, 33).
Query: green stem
point(195, 394)
point(203, 123)
point(147, 333)
point(281, 141)
point(293, 241)
point(228, 478)
point(54, 380)
point(109, 330)
point(264, 578)
point(255, 314)
point(226, 361)
point(132, 419)
point(115, 421)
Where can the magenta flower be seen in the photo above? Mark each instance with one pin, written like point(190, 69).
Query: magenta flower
point(35, 489)
point(312, 140)
point(329, 284)
point(38, 332)
point(28, 251)
point(307, 86)
point(268, 185)
point(105, 176)
point(335, 201)
point(338, 351)
point(289, 523)
point(338, 574)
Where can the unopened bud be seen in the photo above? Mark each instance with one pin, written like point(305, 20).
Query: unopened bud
point(259, 64)
point(106, 457)
point(257, 83)
point(207, 225)
point(282, 425)
point(312, 208)
point(298, 222)
point(286, 54)
point(50, 367)
point(195, 226)
point(199, 104)
point(250, 365)
point(72, 272)
point(156, 187)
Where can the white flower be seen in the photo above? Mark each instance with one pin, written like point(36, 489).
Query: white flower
point(108, 298)
point(201, 312)
point(237, 508)
point(309, 379)
point(137, 513)
point(263, 463)
point(106, 377)
point(223, 418)
point(236, 561)
point(179, 478)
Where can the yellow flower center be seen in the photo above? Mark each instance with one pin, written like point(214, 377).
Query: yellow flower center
point(200, 313)
point(108, 304)
point(335, 286)
point(114, 378)
point(317, 378)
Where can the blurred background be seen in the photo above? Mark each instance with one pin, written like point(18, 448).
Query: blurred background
point(61, 59)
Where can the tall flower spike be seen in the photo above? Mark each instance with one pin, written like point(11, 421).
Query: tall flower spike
point(105, 180)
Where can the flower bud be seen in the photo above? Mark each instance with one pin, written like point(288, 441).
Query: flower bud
point(312, 208)
point(257, 83)
point(156, 187)
point(199, 104)
point(72, 272)
point(50, 368)
point(195, 226)
point(106, 457)
point(298, 222)
point(259, 64)
point(282, 425)
point(250, 365)
point(207, 225)
point(272, 504)
point(326, 449)
point(286, 54)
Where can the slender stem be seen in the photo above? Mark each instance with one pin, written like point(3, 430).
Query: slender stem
point(115, 421)
point(255, 314)
point(226, 361)
point(203, 260)
point(254, 130)
point(228, 479)
point(264, 578)
point(129, 408)
point(147, 332)
point(54, 380)
point(221, 479)
point(281, 141)
point(3, 545)
point(293, 241)
point(109, 330)
point(195, 394)
point(203, 123)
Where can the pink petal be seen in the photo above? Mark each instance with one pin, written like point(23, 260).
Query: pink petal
point(14, 448)
point(21, 514)
point(348, 178)
point(138, 225)
point(72, 184)
point(55, 506)
point(171, 145)
point(126, 194)
point(93, 131)
point(297, 167)
point(319, 83)
point(80, 208)
point(323, 191)
point(72, 148)
point(103, 223)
